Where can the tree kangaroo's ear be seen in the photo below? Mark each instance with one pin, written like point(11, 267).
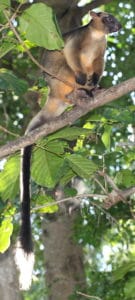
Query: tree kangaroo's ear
point(93, 14)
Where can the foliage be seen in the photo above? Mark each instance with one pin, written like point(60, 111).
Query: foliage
point(31, 25)
point(4, 4)
point(8, 81)
point(6, 229)
point(9, 178)
point(102, 140)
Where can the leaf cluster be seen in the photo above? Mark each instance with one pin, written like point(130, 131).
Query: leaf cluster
point(102, 140)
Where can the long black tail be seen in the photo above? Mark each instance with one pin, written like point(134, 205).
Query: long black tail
point(24, 256)
point(25, 231)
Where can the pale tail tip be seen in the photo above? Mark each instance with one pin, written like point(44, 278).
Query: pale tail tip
point(25, 263)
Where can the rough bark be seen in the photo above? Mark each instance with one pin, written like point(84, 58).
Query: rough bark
point(63, 257)
point(8, 278)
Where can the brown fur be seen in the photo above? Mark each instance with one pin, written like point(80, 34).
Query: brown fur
point(82, 56)
point(81, 64)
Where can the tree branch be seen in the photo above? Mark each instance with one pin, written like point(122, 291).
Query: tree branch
point(116, 194)
point(70, 117)
point(92, 5)
point(88, 296)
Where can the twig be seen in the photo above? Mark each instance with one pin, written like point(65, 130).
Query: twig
point(88, 296)
point(11, 19)
point(9, 132)
point(126, 144)
point(109, 180)
point(99, 183)
point(70, 199)
point(16, 12)
point(80, 197)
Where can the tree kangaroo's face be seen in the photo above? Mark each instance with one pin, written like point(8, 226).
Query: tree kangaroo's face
point(105, 22)
point(111, 23)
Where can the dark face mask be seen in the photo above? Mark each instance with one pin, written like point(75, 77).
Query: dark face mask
point(111, 23)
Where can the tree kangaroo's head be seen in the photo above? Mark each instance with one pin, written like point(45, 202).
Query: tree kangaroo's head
point(104, 22)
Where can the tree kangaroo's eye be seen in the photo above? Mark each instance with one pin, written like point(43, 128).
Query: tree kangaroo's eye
point(109, 18)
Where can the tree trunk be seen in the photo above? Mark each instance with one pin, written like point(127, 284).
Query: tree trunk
point(8, 278)
point(63, 257)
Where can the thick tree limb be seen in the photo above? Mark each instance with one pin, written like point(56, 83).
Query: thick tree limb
point(92, 5)
point(97, 3)
point(70, 117)
point(73, 16)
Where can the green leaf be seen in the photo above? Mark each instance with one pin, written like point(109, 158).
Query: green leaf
point(6, 230)
point(70, 192)
point(106, 136)
point(46, 166)
point(4, 4)
point(127, 267)
point(40, 26)
point(70, 133)
point(129, 288)
point(47, 202)
point(66, 173)
point(3, 20)
point(82, 166)
point(7, 45)
point(125, 178)
point(56, 147)
point(9, 178)
point(8, 81)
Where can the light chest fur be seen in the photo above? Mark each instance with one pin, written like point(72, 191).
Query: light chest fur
point(88, 48)
point(92, 49)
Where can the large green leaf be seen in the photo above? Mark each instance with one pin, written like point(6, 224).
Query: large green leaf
point(8, 81)
point(6, 230)
point(4, 4)
point(47, 162)
point(9, 178)
point(82, 166)
point(70, 133)
point(40, 27)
